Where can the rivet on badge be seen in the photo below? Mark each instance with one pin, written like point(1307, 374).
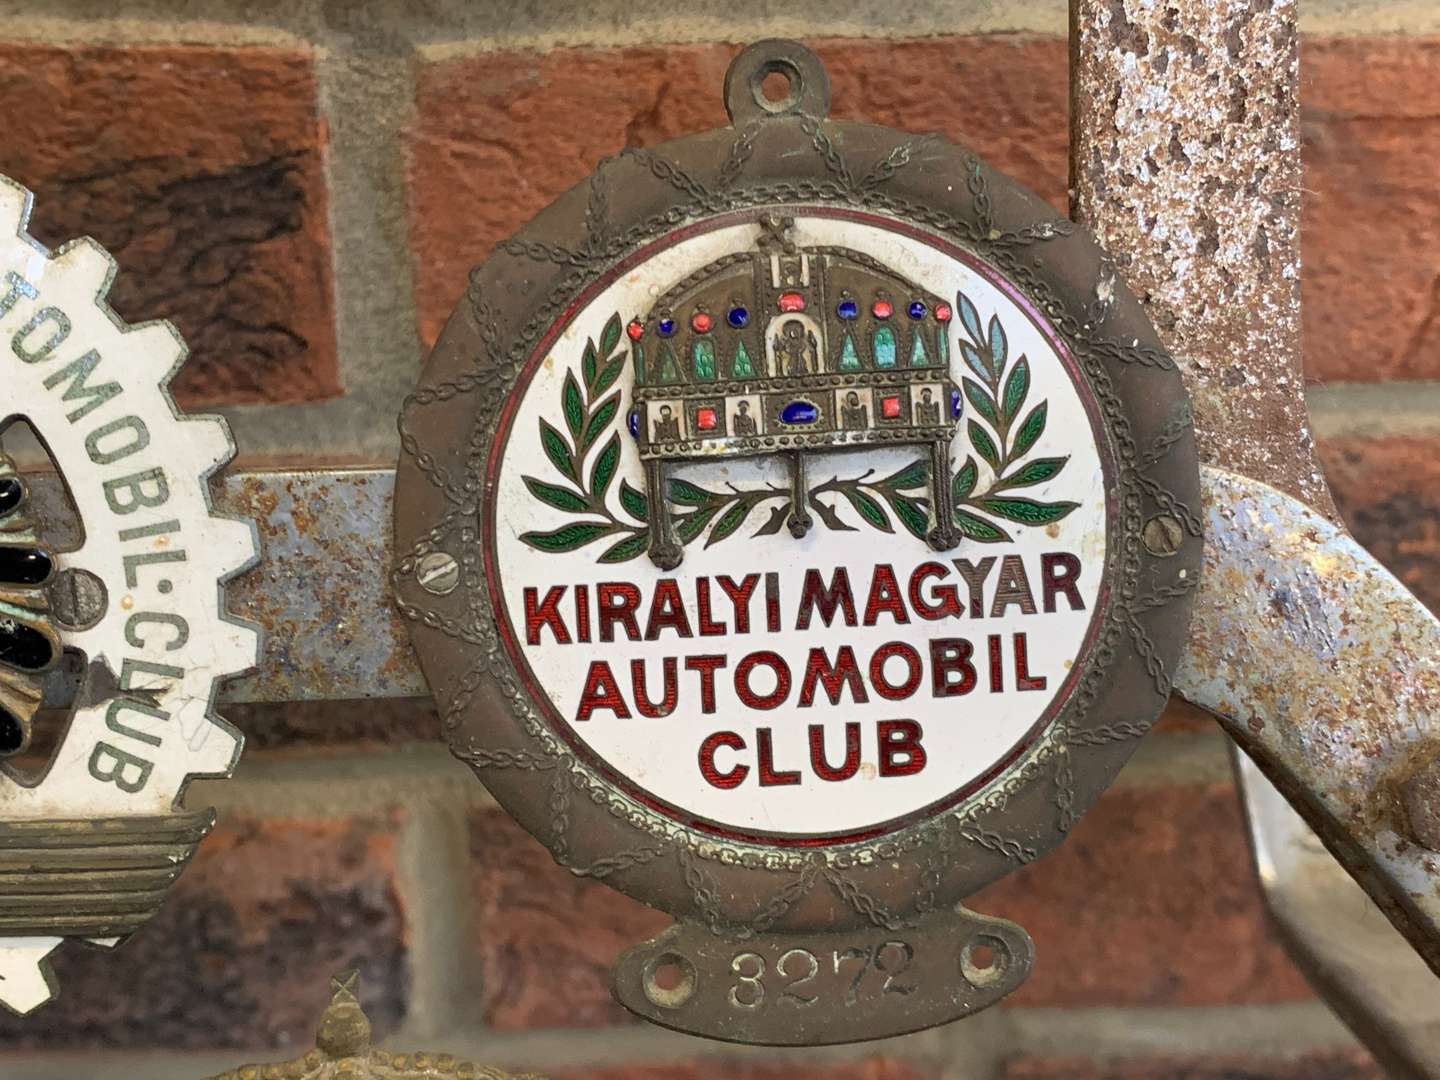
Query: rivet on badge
point(128, 596)
point(802, 626)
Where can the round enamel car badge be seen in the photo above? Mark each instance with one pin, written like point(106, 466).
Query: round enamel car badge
point(797, 523)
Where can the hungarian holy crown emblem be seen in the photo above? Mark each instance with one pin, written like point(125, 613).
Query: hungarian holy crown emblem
point(789, 350)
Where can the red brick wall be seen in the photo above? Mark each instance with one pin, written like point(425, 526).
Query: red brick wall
point(349, 839)
point(201, 170)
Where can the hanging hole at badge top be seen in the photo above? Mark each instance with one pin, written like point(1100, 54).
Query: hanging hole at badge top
point(776, 78)
point(776, 86)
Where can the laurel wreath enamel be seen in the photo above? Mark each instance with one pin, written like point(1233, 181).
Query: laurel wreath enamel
point(866, 373)
point(91, 830)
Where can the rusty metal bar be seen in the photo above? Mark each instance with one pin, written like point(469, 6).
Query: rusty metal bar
point(1186, 164)
point(1346, 947)
point(321, 592)
point(1327, 672)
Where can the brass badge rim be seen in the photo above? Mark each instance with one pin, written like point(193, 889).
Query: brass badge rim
point(779, 161)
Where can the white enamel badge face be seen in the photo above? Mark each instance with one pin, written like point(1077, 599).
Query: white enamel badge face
point(139, 600)
point(838, 683)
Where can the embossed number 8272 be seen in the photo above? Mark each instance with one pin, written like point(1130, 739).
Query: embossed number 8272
point(799, 981)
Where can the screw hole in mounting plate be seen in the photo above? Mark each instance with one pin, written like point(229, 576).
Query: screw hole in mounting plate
point(668, 980)
point(776, 78)
point(984, 960)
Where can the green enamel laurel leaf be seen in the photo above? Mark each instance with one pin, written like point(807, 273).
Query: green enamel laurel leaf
point(973, 358)
point(600, 419)
point(914, 475)
point(964, 482)
point(983, 402)
point(588, 363)
point(627, 549)
point(634, 502)
point(688, 527)
point(558, 497)
point(911, 514)
point(1031, 430)
point(999, 347)
point(686, 493)
point(1028, 511)
point(1035, 472)
point(574, 405)
point(608, 375)
point(977, 528)
point(568, 537)
point(868, 508)
point(610, 336)
point(558, 451)
point(605, 466)
point(984, 445)
point(969, 316)
point(1016, 387)
point(729, 521)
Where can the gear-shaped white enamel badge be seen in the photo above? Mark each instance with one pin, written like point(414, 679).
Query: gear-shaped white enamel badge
point(91, 833)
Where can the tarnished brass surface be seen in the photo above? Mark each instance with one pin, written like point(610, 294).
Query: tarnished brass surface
point(343, 1052)
point(100, 877)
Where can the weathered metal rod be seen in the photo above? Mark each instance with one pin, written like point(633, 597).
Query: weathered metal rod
point(1186, 164)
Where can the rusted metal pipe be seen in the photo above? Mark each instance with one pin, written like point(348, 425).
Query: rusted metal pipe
point(1186, 164)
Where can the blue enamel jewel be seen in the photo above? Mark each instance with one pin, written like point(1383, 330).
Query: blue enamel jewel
point(799, 412)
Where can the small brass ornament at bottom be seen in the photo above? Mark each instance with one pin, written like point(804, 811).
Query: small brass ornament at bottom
point(343, 1051)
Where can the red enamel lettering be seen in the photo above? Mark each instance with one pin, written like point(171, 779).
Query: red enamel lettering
point(816, 596)
point(943, 601)
point(844, 672)
point(667, 611)
point(765, 758)
point(1060, 573)
point(1023, 679)
point(749, 697)
point(823, 769)
point(900, 751)
point(951, 672)
point(739, 595)
point(885, 597)
point(545, 613)
point(619, 600)
point(714, 776)
point(706, 666)
point(670, 688)
point(895, 691)
point(601, 692)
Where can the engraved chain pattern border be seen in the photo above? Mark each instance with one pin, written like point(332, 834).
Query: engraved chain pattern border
point(1052, 753)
